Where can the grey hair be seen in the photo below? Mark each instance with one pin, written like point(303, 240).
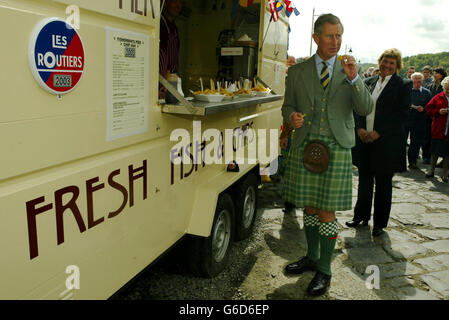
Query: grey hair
point(417, 75)
point(326, 18)
point(445, 82)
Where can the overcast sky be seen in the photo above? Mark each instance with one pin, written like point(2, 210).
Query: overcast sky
point(412, 26)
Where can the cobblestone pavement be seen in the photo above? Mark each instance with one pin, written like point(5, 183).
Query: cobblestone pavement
point(412, 256)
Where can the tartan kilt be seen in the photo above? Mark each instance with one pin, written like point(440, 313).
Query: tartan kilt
point(330, 190)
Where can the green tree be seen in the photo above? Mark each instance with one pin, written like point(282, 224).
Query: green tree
point(421, 60)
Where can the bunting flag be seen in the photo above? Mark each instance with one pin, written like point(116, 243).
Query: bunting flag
point(234, 8)
point(245, 3)
point(279, 6)
point(274, 12)
point(290, 8)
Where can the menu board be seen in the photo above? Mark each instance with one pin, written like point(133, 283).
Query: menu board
point(127, 83)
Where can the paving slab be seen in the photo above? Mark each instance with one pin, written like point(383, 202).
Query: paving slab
point(437, 207)
point(438, 281)
point(405, 250)
point(394, 236)
point(409, 220)
point(356, 238)
point(436, 220)
point(435, 196)
point(407, 208)
point(368, 256)
point(396, 269)
point(407, 196)
point(436, 263)
point(401, 282)
point(439, 246)
point(412, 293)
point(433, 234)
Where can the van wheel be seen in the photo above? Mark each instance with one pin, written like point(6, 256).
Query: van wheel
point(246, 206)
point(209, 255)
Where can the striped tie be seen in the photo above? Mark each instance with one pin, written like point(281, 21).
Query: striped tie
point(324, 77)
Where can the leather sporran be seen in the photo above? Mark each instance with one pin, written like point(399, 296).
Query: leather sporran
point(317, 156)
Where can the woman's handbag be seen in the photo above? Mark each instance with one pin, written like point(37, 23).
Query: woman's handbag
point(316, 156)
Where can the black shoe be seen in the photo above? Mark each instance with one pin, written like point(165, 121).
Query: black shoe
point(354, 223)
point(319, 284)
point(430, 175)
point(413, 166)
point(378, 232)
point(302, 265)
point(445, 179)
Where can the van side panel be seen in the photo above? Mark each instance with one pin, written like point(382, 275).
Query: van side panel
point(75, 205)
point(65, 191)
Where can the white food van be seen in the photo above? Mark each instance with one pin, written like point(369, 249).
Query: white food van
point(90, 194)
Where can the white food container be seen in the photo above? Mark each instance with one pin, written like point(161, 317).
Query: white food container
point(209, 97)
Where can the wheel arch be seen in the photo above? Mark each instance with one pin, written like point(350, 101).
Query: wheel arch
point(206, 197)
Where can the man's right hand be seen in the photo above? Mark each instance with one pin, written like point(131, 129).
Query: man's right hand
point(297, 120)
point(443, 111)
point(364, 135)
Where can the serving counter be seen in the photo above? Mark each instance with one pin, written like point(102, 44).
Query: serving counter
point(201, 108)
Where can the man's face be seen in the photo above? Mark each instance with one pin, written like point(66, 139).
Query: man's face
point(417, 83)
point(388, 67)
point(291, 61)
point(174, 7)
point(410, 72)
point(329, 41)
point(426, 74)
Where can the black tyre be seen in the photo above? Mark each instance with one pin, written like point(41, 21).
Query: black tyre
point(209, 256)
point(245, 196)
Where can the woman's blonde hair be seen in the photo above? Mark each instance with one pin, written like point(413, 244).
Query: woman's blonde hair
point(393, 54)
point(445, 82)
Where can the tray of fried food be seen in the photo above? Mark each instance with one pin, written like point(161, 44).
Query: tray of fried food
point(208, 95)
point(261, 91)
point(245, 93)
point(228, 95)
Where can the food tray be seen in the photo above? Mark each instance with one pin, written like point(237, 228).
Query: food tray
point(262, 93)
point(251, 95)
point(228, 98)
point(209, 97)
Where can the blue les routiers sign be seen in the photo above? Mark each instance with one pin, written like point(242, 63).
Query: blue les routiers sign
point(56, 56)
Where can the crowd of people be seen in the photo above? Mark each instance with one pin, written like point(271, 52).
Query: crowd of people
point(336, 116)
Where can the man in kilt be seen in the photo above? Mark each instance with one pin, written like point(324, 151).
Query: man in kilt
point(321, 95)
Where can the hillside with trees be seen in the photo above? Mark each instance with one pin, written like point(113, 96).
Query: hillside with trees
point(421, 60)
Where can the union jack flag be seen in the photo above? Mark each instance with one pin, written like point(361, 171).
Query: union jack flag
point(273, 9)
point(290, 8)
point(279, 6)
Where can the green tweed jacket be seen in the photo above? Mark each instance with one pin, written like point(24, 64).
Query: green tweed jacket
point(343, 99)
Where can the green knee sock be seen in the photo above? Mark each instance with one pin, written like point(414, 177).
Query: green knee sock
point(328, 237)
point(311, 225)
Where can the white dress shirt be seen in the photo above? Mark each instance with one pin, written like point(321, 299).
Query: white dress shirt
point(380, 85)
